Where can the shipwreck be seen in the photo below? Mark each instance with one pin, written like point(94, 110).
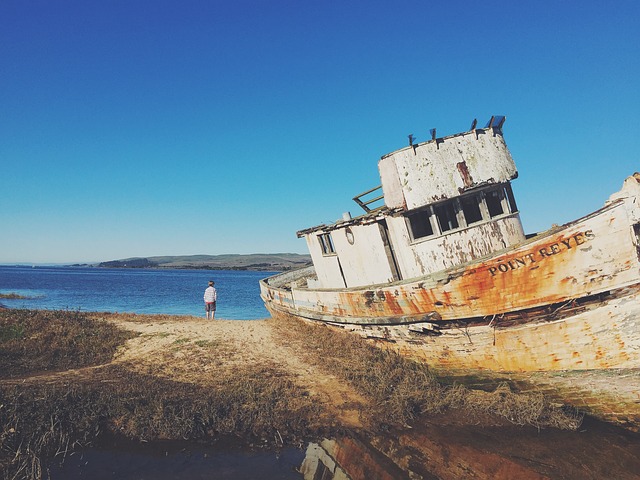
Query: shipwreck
point(439, 268)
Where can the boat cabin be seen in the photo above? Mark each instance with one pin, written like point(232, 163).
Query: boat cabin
point(444, 202)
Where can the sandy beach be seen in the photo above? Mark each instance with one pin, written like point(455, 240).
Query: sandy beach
point(200, 351)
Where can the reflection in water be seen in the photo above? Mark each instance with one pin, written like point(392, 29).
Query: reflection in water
point(450, 451)
point(125, 460)
point(429, 451)
point(319, 465)
point(347, 458)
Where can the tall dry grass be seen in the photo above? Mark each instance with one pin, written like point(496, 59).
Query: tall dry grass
point(47, 421)
point(39, 340)
point(403, 390)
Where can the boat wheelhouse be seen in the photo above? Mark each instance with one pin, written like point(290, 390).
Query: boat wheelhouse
point(446, 202)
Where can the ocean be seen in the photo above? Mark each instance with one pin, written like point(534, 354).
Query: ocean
point(123, 290)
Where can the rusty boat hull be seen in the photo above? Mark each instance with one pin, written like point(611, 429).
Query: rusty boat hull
point(558, 311)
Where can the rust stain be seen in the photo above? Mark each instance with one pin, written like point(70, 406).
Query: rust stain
point(529, 277)
point(464, 173)
point(369, 296)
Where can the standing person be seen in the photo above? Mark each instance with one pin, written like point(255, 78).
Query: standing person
point(210, 297)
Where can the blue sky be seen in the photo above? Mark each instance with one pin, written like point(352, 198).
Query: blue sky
point(140, 128)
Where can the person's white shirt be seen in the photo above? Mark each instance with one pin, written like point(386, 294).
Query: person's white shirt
point(210, 295)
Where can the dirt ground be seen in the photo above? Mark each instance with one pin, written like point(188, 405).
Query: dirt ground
point(199, 351)
point(196, 350)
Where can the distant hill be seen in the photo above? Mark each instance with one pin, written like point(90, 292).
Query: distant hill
point(255, 261)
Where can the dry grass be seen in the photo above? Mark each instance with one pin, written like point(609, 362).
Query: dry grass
point(49, 415)
point(37, 341)
point(403, 390)
point(48, 420)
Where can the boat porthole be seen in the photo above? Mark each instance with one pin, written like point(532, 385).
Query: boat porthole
point(349, 235)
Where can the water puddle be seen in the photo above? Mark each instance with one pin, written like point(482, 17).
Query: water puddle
point(431, 451)
point(125, 460)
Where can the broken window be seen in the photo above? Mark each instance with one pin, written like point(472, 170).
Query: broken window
point(493, 198)
point(471, 209)
point(326, 243)
point(512, 200)
point(420, 223)
point(446, 215)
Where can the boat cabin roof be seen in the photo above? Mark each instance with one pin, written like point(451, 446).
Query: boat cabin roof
point(431, 172)
point(367, 218)
point(445, 168)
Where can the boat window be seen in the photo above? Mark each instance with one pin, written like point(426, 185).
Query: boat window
point(326, 243)
point(512, 200)
point(494, 202)
point(420, 223)
point(471, 209)
point(446, 215)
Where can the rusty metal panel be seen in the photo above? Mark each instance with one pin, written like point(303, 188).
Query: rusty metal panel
point(279, 297)
point(391, 184)
point(602, 338)
point(586, 257)
point(444, 168)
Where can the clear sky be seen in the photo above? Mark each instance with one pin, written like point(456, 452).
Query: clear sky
point(139, 128)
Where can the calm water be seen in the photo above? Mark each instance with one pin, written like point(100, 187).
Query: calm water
point(127, 460)
point(175, 292)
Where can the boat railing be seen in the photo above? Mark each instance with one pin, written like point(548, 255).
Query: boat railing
point(287, 278)
point(365, 203)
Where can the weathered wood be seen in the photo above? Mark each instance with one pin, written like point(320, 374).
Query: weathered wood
point(567, 299)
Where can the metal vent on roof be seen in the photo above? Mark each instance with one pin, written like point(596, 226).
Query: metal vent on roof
point(496, 121)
